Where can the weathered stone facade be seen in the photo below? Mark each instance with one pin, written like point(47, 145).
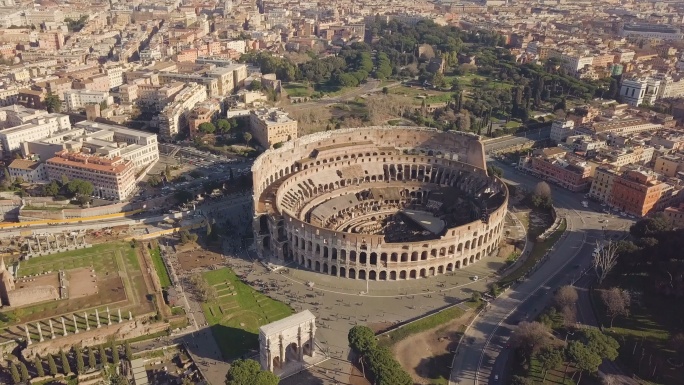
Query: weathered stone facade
point(320, 201)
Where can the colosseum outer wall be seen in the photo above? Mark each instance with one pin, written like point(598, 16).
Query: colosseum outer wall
point(447, 155)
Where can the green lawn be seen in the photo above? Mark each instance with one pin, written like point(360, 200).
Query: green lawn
point(159, 266)
point(92, 256)
point(538, 251)
point(513, 124)
point(297, 90)
point(422, 325)
point(237, 312)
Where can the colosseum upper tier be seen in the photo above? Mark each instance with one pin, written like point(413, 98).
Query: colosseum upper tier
point(378, 203)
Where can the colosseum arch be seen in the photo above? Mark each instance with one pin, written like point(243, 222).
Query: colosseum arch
point(368, 209)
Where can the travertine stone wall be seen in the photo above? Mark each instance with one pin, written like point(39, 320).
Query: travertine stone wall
point(290, 181)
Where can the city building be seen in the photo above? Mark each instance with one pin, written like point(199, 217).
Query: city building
point(28, 170)
point(173, 118)
point(112, 178)
point(561, 129)
point(559, 167)
point(602, 184)
point(36, 129)
point(637, 192)
point(77, 99)
point(271, 126)
point(637, 91)
point(675, 214)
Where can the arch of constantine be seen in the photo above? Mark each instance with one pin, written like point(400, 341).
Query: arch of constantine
point(378, 203)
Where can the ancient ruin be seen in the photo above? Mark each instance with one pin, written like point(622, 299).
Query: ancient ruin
point(29, 291)
point(288, 345)
point(378, 203)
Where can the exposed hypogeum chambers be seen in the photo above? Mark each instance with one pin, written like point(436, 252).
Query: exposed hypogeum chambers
point(378, 203)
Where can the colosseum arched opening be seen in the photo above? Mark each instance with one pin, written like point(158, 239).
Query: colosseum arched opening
point(378, 203)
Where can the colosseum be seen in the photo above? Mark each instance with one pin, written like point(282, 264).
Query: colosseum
point(378, 203)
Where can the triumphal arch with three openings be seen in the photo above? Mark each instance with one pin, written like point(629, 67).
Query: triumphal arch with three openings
point(288, 346)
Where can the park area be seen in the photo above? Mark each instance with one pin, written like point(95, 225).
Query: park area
point(236, 312)
point(103, 275)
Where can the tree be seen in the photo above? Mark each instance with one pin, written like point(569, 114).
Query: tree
point(154, 180)
point(51, 189)
point(115, 352)
point(255, 85)
point(92, 361)
point(167, 171)
point(38, 363)
point(103, 355)
point(603, 345)
point(530, 337)
point(183, 196)
point(79, 187)
point(565, 300)
point(361, 339)
point(52, 102)
point(207, 128)
point(550, 358)
point(248, 372)
point(584, 359)
point(128, 351)
point(611, 379)
point(16, 378)
point(616, 301)
point(541, 197)
point(223, 125)
point(495, 171)
point(385, 90)
point(605, 260)
point(246, 137)
point(649, 227)
point(52, 367)
point(66, 369)
point(24, 372)
point(80, 366)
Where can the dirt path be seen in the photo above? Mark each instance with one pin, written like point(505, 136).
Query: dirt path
point(427, 355)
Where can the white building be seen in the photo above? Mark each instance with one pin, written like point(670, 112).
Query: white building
point(573, 62)
point(28, 170)
point(651, 31)
point(78, 99)
point(140, 147)
point(561, 129)
point(637, 91)
point(172, 118)
point(115, 75)
point(670, 87)
point(36, 129)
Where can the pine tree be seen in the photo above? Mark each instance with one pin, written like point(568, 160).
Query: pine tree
point(66, 368)
point(24, 372)
point(92, 363)
point(80, 366)
point(115, 353)
point(129, 352)
point(15, 373)
point(103, 355)
point(38, 363)
point(51, 365)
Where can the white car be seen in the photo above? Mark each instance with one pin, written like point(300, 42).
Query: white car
point(475, 278)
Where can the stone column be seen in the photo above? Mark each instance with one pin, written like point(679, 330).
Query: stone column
point(109, 318)
point(75, 324)
point(311, 340)
point(28, 335)
point(52, 331)
point(85, 315)
point(40, 332)
point(281, 350)
point(300, 350)
point(119, 310)
point(130, 316)
point(97, 318)
point(64, 332)
point(38, 242)
point(269, 362)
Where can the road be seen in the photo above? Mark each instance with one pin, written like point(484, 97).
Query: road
point(484, 355)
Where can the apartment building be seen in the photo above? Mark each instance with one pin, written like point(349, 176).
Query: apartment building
point(173, 118)
point(619, 157)
point(669, 165)
point(559, 167)
point(602, 184)
point(111, 178)
point(625, 126)
point(675, 214)
point(637, 192)
point(561, 129)
point(271, 126)
point(78, 99)
point(28, 170)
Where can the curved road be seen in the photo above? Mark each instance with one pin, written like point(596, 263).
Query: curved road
point(482, 355)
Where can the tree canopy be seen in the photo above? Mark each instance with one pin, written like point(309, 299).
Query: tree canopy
point(248, 372)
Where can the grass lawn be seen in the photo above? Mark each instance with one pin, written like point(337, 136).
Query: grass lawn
point(92, 256)
point(513, 124)
point(237, 312)
point(538, 251)
point(646, 332)
point(328, 89)
point(422, 325)
point(159, 266)
point(297, 90)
